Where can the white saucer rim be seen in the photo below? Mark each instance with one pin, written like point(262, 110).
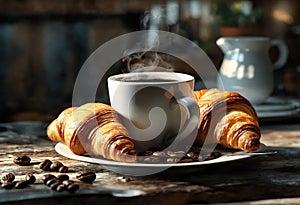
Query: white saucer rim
point(63, 150)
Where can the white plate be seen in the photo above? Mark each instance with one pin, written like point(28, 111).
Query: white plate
point(277, 114)
point(278, 107)
point(274, 107)
point(142, 169)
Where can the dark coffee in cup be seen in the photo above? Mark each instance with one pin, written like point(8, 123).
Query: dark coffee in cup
point(146, 79)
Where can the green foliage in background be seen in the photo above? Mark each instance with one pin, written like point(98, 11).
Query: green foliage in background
point(237, 13)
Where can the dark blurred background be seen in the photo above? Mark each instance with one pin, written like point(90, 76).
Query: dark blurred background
point(43, 43)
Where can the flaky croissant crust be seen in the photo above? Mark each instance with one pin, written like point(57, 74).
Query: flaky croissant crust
point(93, 128)
point(235, 122)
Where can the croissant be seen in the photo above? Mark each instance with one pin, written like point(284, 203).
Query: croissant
point(235, 122)
point(93, 128)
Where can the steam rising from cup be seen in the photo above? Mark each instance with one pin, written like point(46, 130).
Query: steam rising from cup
point(145, 56)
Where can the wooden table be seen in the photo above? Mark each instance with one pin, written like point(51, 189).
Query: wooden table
point(274, 179)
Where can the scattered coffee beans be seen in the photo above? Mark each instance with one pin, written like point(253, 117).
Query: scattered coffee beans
point(62, 177)
point(7, 185)
point(159, 154)
point(72, 187)
point(10, 177)
point(22, 160)
point(55, 166)
point(45, 165)
point(61, 187)
point(21, 184)
point(170, 156)
point(30, 178)
point(51, 181)
point(47, 177)
point(186, 160)
point(60, 183)
point(63, 169)
point(172, 160)
point(152, 159)
point(86, 176)
point(192, 155)
point(68, 182)
point(54, 185)
point(177, 154)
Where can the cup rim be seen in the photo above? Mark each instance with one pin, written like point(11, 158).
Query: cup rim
point(246, 38)
point(178, 77)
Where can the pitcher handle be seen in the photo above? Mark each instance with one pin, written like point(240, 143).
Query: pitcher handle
point(283, 53)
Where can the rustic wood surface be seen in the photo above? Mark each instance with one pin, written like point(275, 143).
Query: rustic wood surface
point(274, 179)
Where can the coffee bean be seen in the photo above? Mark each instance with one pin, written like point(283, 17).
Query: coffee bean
point(72, 187)
point(171, 156)
point(172, 160)
point(30, 178)
point(213, 155)
point(62, 177)
point(45, 165)
point(86, 176)
point(145, 153)
point(152, 159)
point(21, 184)
point(22, 160)
point(7, 185)
point(177, 154)
point(61, 187)
point(68, 182)
point(159, 154)
point(54, 185)
point(63, 169)
point(192, 155)
point(10, 177)
point(47, 177)
point(51, 181)
point(55, 166)
point(186, 160)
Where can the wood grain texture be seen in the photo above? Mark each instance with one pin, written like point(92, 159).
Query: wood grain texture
point(255, 178)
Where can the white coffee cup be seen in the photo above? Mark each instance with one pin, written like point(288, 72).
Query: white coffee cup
point(157, 108)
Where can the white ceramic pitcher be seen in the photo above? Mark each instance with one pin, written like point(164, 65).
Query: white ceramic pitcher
point(247, 68)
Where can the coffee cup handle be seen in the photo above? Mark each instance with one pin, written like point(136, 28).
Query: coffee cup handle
point(193, 115)
point(283, 53)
